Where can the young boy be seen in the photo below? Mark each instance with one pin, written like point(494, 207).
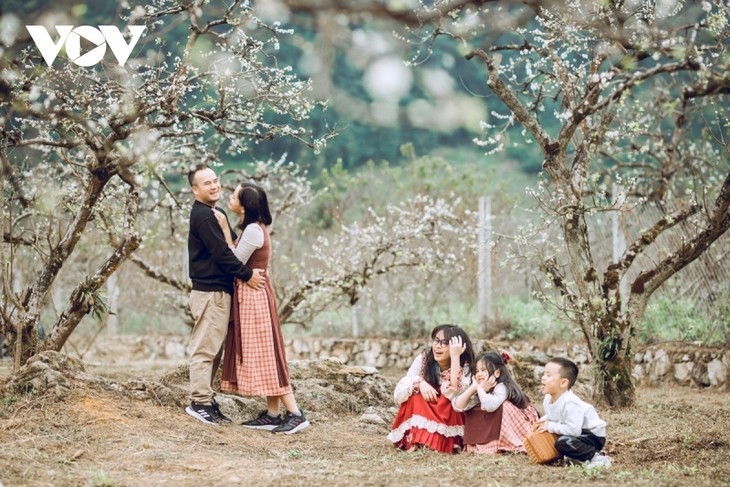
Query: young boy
point(582, 433)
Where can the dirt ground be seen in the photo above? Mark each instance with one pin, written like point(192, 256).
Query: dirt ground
point(673, 436)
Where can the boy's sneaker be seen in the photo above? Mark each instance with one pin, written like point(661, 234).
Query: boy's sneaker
point(222, 418)
point(292, 423)
point(263, 422)
point(599, 460)
point(202, 412)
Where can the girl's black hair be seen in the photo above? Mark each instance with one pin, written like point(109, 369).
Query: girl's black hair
point(255, 204)
point(432, 372)
point(493, 362)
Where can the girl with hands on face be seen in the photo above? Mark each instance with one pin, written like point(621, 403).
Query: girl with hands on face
point(426, 417)
point(484, 380)
point(504, 416)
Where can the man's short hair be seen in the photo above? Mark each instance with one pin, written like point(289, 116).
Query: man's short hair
point(191, 174)
point(568, 369)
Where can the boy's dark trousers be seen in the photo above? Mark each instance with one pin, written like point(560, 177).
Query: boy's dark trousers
point(581, 447)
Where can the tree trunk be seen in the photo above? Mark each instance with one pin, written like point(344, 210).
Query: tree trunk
point(78, 306)
point(36, 294)
point(613, 383)
point(25, 346)
point(613, 361)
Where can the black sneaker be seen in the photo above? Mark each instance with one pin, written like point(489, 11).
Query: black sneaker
point(202, 412)
point(292, 423)
point(263, 422)
point(222, 418)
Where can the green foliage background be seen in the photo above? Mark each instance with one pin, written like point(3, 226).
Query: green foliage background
point(367, 165)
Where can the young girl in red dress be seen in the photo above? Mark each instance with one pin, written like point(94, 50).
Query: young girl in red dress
point(426, 417)
point(498, 415)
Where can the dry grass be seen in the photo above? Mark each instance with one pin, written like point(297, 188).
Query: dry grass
point(672, 436)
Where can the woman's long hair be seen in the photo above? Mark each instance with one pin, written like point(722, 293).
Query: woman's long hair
point(432, 373)
point(255, 204)
point(493, 361)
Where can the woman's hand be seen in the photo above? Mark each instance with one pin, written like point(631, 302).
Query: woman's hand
point(427, 391)
point(223, 222)
point(456, 348)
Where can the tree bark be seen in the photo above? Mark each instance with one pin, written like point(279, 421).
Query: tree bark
point(37, 292)
point(612, 370)
point(79, 305)
point(613, 353)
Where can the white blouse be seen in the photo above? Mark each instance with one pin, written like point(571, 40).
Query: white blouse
point(408, 385)
point(251, 239)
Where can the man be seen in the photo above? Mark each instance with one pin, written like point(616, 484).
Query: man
point(213, 268)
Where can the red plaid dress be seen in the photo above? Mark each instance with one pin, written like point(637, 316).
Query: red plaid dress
point(502, 430)
point(254, 363)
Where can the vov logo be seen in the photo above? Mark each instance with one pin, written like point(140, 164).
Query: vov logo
point(101, 37)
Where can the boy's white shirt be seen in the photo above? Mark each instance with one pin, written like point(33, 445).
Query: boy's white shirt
point(404, 386)
point(251, 239)
point(570, 415)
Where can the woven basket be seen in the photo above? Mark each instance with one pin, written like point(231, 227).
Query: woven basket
point(540, 447)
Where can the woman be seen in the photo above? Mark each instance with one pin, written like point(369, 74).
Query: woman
point(254, 360)
point(426, 417)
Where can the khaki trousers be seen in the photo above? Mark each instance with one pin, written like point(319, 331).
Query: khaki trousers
point(211, 311)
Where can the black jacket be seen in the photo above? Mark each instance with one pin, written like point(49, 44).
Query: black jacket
point(212, 263)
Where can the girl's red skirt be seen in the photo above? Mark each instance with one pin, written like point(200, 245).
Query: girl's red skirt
point(434, 425)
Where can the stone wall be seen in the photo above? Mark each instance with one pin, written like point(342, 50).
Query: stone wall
point(682, 364)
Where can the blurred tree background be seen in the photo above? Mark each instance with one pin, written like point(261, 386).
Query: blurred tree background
point(403, 129)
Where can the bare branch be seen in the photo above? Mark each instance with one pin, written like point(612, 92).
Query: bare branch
point(382, 10)
point(9, 172)
point(18, 240)
point(634, 80)
point(78, 306)
point(80, 303)
point(616, 271)
point(66, 144)
point(649, 280)
point(714, 85)
point(513, 103)
point(158, 275)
